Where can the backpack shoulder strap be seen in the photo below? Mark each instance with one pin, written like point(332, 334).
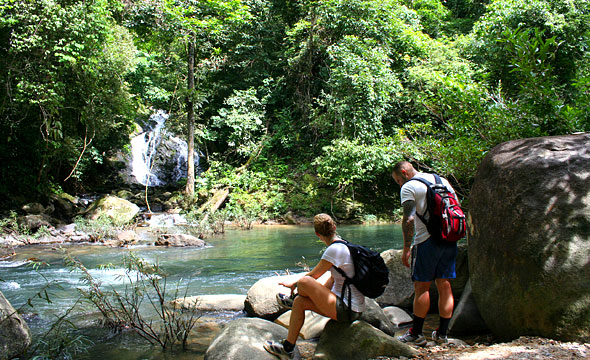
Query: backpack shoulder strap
point(440, 184)
point(428, 185)
point(423, 181)
point(341, 241)
point(347, 281)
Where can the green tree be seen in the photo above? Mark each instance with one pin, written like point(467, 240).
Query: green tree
point(199, 32)
point(64, 102)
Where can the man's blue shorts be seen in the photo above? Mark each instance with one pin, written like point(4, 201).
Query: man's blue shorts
point(433, 260)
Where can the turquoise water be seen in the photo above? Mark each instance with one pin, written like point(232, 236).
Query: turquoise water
point(230, 265)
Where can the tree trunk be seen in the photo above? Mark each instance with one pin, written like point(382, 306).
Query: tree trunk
point(190, 114)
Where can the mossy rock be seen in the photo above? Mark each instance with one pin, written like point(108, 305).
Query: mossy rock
point(119, 211)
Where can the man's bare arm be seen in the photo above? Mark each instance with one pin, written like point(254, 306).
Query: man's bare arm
point(408, 225)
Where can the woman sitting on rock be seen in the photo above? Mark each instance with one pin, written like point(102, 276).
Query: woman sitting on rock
point(324, 299)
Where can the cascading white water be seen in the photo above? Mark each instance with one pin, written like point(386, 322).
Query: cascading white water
point(145, 147)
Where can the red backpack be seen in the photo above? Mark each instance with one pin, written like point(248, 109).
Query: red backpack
point(446, 220)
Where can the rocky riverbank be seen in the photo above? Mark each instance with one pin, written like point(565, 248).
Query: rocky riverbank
point(525, 347)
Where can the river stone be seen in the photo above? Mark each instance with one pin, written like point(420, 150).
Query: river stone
point(179, 240)
point(243, 339)
point(221, 302)
point(15, 335)
point(33, 208)
point(65, 205)
point(261, 298)
point(312, 326)
point(35, 222)
point(374, 315)
point(358, 340)
point(397, 316)
point(466, 317)
point(400, 290)
point(529, 238)
point(120, 211)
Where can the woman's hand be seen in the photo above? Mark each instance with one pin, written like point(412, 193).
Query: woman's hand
point(290, 285)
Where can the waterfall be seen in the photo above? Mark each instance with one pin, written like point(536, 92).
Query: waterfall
point(158, 155)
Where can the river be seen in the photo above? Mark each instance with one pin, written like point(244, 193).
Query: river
point(231, 264)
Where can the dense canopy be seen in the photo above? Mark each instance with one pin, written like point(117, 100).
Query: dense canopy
point(318, 98)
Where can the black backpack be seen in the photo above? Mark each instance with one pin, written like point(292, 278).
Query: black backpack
point(371, 275)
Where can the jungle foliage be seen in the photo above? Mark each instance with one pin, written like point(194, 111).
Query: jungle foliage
point(318, 98)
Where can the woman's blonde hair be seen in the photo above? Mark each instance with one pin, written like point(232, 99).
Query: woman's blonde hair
point(324, 225)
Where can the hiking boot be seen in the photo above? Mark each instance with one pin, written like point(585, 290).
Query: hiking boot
point(439, 339)
point(410, 338)
point(277, 348)
point(285, 301)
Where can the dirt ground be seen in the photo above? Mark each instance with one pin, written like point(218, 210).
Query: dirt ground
point(521, 348)
point(484, 347)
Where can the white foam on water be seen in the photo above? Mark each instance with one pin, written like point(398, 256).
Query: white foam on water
point(9, 285)
point(11, 264)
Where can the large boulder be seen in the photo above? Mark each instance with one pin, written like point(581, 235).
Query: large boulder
point(65, 205)
point(314, 323)
point(261, 297)
point(400, 290)
point(358, 340)
point(119, 211)
point(15, 335)
point(179, 240)
point(374, 315)
point(466, 316)
point(313, 326)
point(529, 240)
point(35, 222)
point(220, 302)
point(243, 339)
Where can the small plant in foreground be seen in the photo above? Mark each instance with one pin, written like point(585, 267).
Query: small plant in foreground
point(146, 283)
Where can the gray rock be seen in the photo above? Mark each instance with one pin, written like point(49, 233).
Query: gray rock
point(179, 240)
point(400, 290)
point(222, 302)
point(375, 316)
point(33, 208)
point(313, 326)
point(65, 205)
point(35, 222)
point(529, 240)
point(397, 316)
point(125, 194)
point(127, 237)
point(11, 240)
point(15, 335)
point(358, 340)
point(243, 339)
point(466, 317)
point(261, 298)
point(290, 218)
point(67, 230)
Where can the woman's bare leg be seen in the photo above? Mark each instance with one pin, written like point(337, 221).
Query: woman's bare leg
point(314, 296)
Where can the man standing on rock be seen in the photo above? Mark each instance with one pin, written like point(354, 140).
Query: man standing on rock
point(430, 259)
